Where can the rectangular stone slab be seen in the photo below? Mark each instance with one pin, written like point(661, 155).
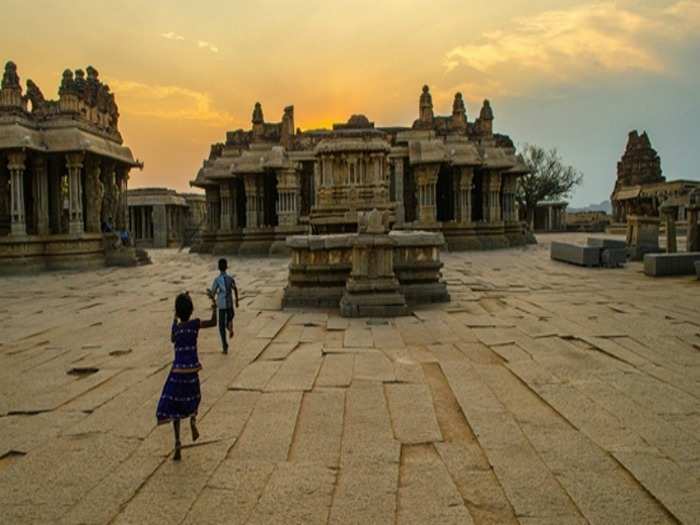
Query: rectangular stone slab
point(661, 264)
point(575, 254)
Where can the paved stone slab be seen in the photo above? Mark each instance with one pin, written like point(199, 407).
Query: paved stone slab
point(319, 428)
point(256, 375)
point(268, 433)
point(427, 493)
point(298, 371)
point(412, 414)
point(336, 370)
point(296, 493)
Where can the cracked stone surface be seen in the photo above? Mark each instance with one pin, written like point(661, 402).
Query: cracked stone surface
point(543, 393)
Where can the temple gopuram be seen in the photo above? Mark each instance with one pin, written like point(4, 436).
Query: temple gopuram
point(443, 174)
point(641, 188)
point(63, 171)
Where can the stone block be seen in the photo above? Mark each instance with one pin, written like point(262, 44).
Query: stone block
point(605, 243)
point(662, 264)
point(613, 257)
point(576, 254)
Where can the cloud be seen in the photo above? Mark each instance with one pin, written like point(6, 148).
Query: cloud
point(207, 45)
point(568, 45)
point(172, 36)
point(167, 102)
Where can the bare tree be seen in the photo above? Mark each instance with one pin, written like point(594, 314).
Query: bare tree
point(549, 179)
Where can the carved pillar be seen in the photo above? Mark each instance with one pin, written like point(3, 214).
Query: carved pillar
point(225, 207)
point(288, 197)
point(426, 181)
point(41, 195)
point(252, 200)
point(466, 177)
point(16, 160)
point(122, 184)
point(109, 198)
point(234, 204)
point(94, 192)
point(495, 198)
point(398, 190)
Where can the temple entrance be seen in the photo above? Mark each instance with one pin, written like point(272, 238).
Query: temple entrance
point(270, 200)
point(477, 202)
point(445, 199)
point(409, 195)
point(240, 204)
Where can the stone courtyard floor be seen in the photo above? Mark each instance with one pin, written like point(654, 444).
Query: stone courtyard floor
point(542, 394)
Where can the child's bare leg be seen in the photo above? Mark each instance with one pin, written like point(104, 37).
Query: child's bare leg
point(230, 328)
point(176, 428)
point(193, 428)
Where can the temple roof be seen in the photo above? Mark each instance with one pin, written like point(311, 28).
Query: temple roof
point(155, 197)
point(15, 133)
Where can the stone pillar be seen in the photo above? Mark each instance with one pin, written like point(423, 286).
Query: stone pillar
point(693, 235)
point(161, 226)
point(466, 177)
point(41, 195)
point(426, 182)
point(252, 201)
point(494, 197)
point(94, 191)
point(671, 241)
point(288, 197)
point(121, 203)
point(16, 165)
point(398, 190)
point(74, 163)
point(225, 200)
point(109, 199)
point(234, 204)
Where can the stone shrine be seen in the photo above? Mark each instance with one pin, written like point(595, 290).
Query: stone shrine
point(372, 289)
point(442, 173)
point(63, 171)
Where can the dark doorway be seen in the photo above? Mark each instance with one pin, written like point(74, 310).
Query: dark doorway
point(239, 188)
point(409, 194)
point(307, 187)
point(477, 200)
point(445, 201)
point(270, 199)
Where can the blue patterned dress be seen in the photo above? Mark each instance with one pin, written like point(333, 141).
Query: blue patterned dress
point(181, 394)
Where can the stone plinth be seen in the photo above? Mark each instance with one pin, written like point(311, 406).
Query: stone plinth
point(320, 266)
point(642, 236)
point(372, 289)
point(575, 254)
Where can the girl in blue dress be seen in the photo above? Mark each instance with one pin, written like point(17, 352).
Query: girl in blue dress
point(181, 393)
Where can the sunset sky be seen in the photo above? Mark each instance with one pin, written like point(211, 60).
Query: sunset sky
point(560, 73)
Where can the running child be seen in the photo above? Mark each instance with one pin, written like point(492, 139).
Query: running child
point(224, 289)
point(181, 393)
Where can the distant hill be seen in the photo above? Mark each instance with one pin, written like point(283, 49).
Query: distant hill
point(603, 206)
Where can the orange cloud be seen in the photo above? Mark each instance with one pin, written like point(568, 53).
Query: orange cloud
point(571, 44)
point(167, 102)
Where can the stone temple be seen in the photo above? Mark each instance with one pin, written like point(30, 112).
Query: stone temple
point(641, 188)
point(445, 174)
point(63, 171)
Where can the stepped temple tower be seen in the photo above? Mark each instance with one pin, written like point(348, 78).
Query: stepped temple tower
point(443, 173)
point(640, 187)
point(63, 171)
